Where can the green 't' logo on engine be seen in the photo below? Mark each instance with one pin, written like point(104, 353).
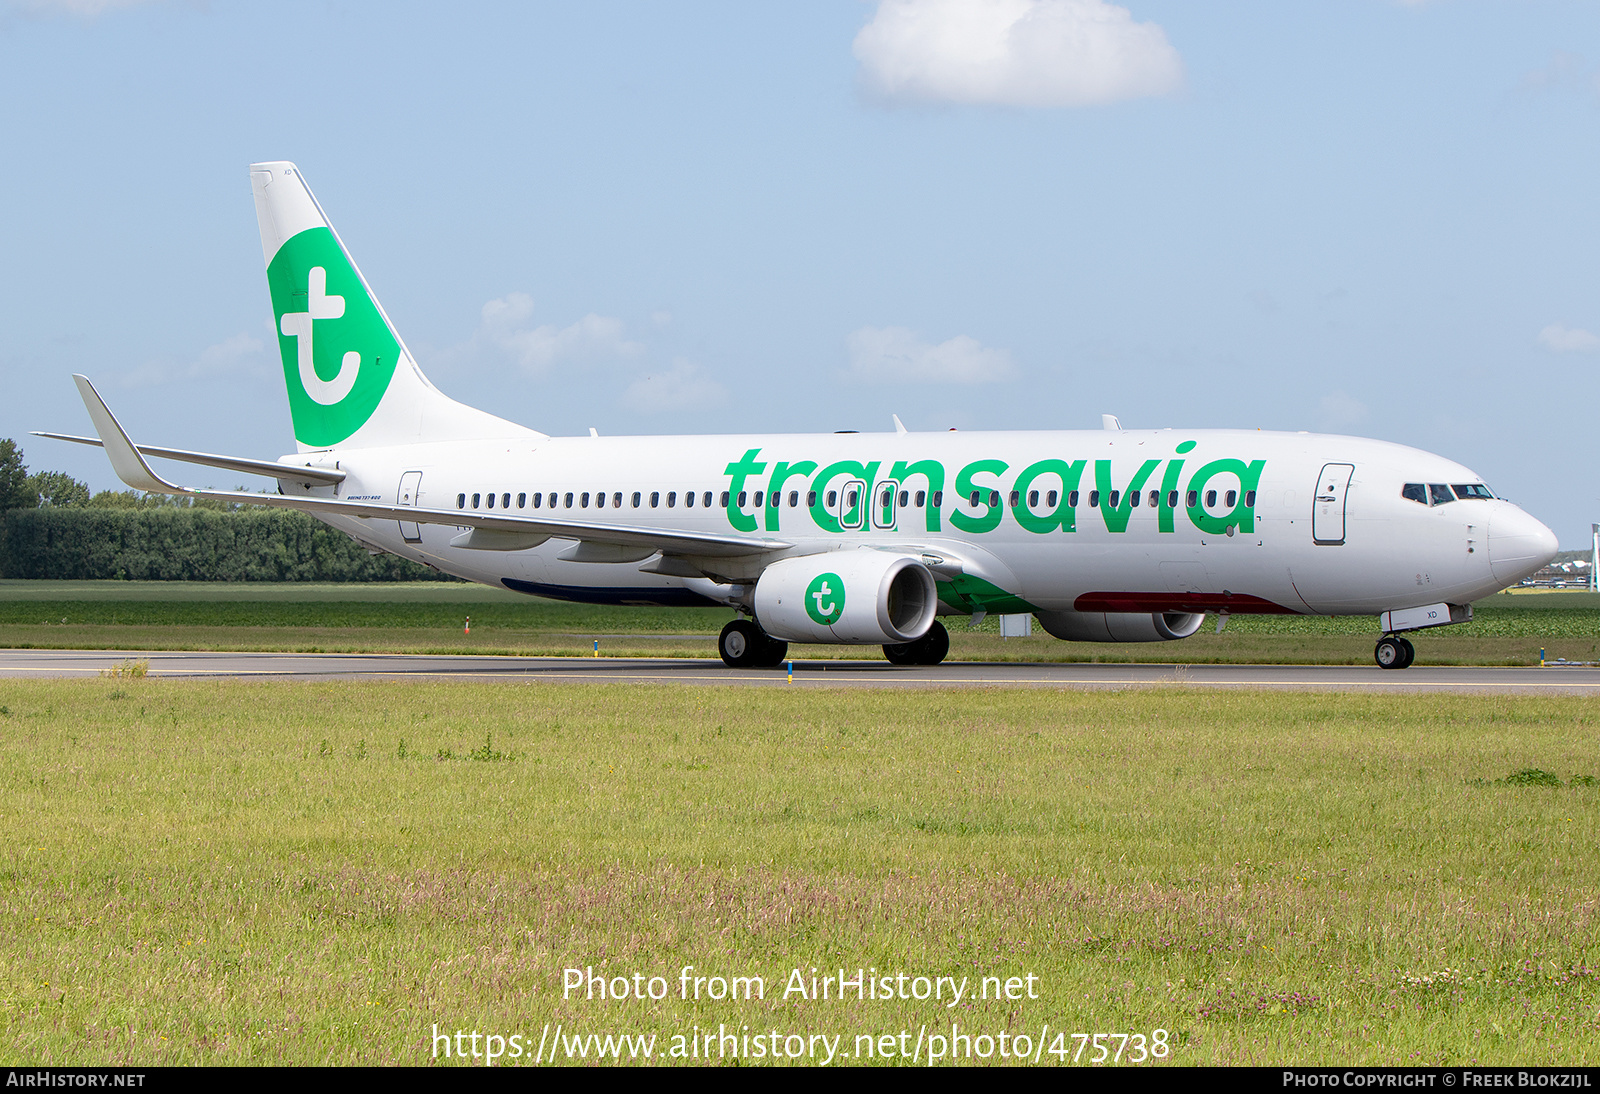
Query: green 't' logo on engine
point(825, 599)
point(338, 353)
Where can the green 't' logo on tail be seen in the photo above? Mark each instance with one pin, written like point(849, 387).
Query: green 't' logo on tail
point(338, 353)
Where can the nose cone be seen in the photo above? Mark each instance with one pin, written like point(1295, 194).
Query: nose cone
point(1518, 545)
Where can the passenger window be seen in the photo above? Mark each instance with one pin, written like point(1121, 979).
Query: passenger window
point(553, 500)
point(600, 500)
point(922, 497)
point(1211, 498)
point(505, 500)
point(1072, 500)
point(1192, 498)
point(725, 497)
point(522, 501)
point(461, 501)
point(811, 497)
point(974, 499)
point(1155, 498)
point(794, 499)
point(1439, 493)
point(744, 498)
point(1133, 499)
point(688, 499)
point(636, 499)
point(1233, 497)
point(994, 498)
point(833, 498)
point(938, 498)
point(672, 498)
point(655, 499)
point(616, 500)
point(761, 498)
point(1033, 498)
point(1172, 499)
point(537, 498)
point(1250, 499)
point(1094, 499)
point(583, 501)
point(905, 497)
point(475, 500)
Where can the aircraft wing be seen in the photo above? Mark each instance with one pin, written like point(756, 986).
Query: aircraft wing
point(513, 532)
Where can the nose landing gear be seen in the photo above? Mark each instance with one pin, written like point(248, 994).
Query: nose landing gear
point(1394, 652)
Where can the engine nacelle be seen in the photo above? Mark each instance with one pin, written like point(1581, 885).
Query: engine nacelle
point(862, 597)
point(1121, 626)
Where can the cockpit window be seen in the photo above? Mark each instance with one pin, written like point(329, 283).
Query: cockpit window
point(1439, 493)
point(1475, 491)
point(1415, 491)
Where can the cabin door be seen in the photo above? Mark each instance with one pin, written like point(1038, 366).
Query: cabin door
point(410, 487)
point(1327, 506)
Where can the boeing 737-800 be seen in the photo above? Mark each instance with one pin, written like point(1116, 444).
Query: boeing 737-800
point(1112, 535)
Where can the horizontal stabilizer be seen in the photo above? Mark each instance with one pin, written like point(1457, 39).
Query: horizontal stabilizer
point(319, 476)
point(132, 469)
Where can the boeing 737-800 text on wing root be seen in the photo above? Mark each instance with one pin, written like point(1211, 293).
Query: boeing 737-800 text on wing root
point(1115, 535)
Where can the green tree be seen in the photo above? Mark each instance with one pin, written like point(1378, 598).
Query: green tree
point(57, 489)
point(15, 490)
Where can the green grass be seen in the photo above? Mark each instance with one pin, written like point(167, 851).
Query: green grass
point(430, 618)
point(233, 872)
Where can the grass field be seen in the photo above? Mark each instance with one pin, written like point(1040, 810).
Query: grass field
point(234, 872)
point(430, 618)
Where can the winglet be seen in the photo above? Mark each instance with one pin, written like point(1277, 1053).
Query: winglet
point(125, 459)
point(899, 426)
point(1109, 421)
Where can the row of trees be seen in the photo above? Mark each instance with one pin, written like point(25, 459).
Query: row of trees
point(52, 527)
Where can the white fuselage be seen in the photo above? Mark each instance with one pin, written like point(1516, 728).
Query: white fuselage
point(1225, 520)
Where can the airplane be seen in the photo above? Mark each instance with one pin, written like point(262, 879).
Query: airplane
point(1110, 535)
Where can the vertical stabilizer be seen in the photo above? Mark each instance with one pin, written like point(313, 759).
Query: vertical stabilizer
point(352, 382)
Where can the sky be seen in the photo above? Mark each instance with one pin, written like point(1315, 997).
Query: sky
point(1368, 217)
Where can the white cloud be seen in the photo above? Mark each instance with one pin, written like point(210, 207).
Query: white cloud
point(83, 9)
point(685, 386)
point(1565, 72)
point(1560, 339)
point(241, 355)
point(882, 355)
point(1014, 53)
point(505, 328)
point(1340, 410)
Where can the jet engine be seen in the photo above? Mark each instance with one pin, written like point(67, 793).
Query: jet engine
point(859, 597)
point(1121, 626)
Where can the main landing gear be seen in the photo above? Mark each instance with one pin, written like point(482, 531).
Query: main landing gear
point(930, 649)
point(1394, 652)
point(744, 645)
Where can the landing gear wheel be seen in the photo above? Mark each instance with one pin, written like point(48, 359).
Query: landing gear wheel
point(930, 649)
point(772, 652)
point(744, 645)
point(1393, 653)
point(740, 644)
